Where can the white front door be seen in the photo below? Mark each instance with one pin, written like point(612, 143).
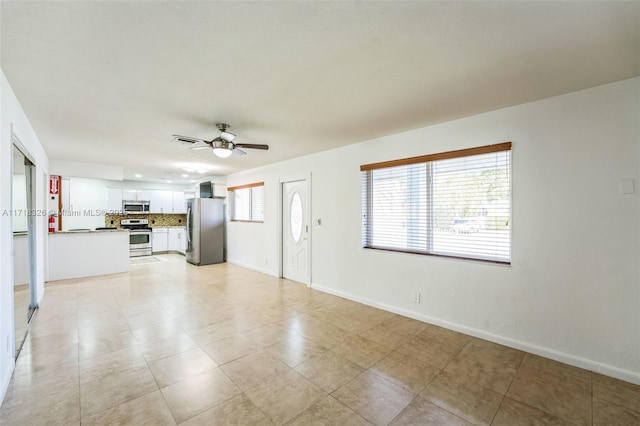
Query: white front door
point(295, 231)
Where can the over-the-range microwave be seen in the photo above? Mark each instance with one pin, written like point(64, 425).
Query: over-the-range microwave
point(135, 206)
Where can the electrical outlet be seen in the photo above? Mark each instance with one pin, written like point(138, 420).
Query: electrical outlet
point(416, 297)
point(266, 261)
point(7, 345)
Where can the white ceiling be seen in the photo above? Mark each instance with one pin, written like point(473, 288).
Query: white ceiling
point(110, 82)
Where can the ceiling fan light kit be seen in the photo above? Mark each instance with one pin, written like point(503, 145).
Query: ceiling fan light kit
point(222, 146)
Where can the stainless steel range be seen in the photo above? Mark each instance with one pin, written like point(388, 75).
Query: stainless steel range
point(139, 236)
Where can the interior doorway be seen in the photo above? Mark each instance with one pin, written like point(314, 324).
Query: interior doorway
point(23, 226)
point(296, 235)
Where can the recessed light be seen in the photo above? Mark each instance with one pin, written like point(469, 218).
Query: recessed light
point(185, 175)
point(193, 181)
point(168, 181)
point(138, 175)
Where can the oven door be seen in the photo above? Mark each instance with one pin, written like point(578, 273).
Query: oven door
point(139, 242)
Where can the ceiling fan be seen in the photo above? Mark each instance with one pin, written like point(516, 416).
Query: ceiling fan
point(223, 146)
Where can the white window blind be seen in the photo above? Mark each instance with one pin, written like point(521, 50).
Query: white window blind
point(455, 204)
point(247, 202)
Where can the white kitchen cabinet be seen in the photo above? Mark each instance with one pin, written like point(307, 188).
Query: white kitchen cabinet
point(178, 202)
point(114, 200)
point(160, 242)
point(129, 194)
point(146, 194)
point(174, 239)
point(166, 203)
point(154, 197)
point(182, 236)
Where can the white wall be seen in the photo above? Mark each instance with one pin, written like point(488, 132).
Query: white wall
point(12, 115)
point(572, 292)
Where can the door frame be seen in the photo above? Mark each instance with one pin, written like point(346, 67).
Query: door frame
point(281, 182)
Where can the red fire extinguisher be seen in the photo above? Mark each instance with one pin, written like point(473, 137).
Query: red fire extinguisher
point(52, 224)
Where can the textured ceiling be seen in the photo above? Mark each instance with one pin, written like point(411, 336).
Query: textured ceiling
point(110, 82)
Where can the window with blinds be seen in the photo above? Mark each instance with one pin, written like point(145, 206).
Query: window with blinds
point(455, 204)
point(247, 202)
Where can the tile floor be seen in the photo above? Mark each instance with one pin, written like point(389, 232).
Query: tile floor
point(171, 343)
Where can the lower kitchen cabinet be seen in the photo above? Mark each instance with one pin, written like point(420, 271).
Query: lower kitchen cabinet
point(177, 240)
point(169, 240)
point(160, 242)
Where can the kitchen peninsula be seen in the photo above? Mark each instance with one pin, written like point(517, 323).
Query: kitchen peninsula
point(75, 254)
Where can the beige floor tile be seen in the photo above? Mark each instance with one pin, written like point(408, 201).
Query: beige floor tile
point(100, 367)
point(423, 413)
point(326, 335)
point(178, 367)
point(112, 390)
point(374, 398)
point(492, 353)
point(404, 371)
point(556, 390)
point(198, 393)
point(212, 332)
point(43, 389)
point(609, 414)
point(362, 351)
point(155, 350)
point(328, 411)
point(100, 343)
point(484, 374)
point(269, 334)
point(155, 332)
point(384, 336)
point(58, 411)
point(437, 353)
point(295, 350)
point(239, 410)
point(329, 370)
point(229, 349)
point(253, 369)
point(616, 391)
point(285, 396)
point(463, 398)
point(148, 410)
point(514, 413)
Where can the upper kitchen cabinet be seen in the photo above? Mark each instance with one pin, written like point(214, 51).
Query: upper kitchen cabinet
point(160, 201)
point(114, 199)
point(178, 202)
point(130, 194)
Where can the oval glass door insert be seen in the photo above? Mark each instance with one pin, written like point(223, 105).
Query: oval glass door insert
point(295, 217)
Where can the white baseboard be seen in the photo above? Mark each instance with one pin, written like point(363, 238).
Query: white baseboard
point(587, 364)
point(253, 268)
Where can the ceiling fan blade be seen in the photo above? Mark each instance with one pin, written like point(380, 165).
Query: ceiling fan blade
point(188, 139)
point(252, 146)
point(200, 145)
point(239, 151)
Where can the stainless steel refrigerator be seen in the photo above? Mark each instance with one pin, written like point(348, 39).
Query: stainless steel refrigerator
point(205, 231)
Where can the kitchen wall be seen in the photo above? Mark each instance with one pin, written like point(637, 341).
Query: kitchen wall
point(13, 118)
point(572, 292)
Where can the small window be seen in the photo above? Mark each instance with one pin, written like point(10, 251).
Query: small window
point(454, 204)
point(247, 202)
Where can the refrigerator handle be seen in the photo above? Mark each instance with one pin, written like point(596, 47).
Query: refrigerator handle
point(189, 230)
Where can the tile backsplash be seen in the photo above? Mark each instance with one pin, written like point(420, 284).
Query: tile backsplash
point(156, 220)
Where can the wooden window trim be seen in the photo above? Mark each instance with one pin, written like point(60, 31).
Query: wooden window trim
point(249, 185)
point(506, 146)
